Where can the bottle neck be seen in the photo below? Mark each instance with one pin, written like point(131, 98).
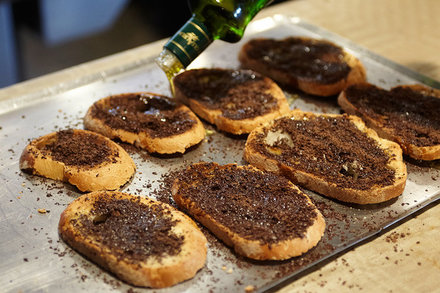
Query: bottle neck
point(169, 63)
point(190, 41)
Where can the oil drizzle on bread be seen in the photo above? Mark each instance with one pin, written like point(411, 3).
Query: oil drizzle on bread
point(306, 58)
point(157, 115)
point(238, 94)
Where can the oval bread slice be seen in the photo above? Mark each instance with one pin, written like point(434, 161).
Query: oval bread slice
point(236, 101)
point(261, 215)
point(83, 158)
point(406, 114)
point(334, 155)
point(317, 67)
point(142, 241)
point(150, 121)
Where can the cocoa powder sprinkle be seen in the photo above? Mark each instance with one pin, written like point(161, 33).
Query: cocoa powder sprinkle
point(133, 230)
point(79, 149)
point(331, 148)
point(301, 58)
point(255, 205)
point(411, 115)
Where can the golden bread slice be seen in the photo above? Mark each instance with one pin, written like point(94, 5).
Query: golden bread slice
point(236, 101)
point(334, 155)
point(142, 241)
point(316, 67)
point(406, 114)
point(83, 158)
point(263, 216)
point(150, 121)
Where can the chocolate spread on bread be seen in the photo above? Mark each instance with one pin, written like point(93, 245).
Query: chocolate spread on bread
point(414, 116)
point(79, 149)
point(303, 58)
point(156, 115)
point(328, 147)
point(132, 230)
point(255, 205)
point(238, 94)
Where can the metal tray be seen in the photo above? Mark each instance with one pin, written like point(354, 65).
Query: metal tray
point(34, 259)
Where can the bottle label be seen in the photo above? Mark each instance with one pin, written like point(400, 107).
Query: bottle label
point(189, 41)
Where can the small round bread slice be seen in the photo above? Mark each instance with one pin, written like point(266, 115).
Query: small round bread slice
point(236, 101)
point(83, 158)
point(149, 121)
point(406, 114)
point(261, 215)
point(142, 241)
point(317, 67)
point(334, 155)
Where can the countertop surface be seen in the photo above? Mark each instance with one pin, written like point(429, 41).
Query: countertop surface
point(406, 257)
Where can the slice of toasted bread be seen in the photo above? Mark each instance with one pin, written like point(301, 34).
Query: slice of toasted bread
point(150, 121)
point(142, 241)
point(408, 115)
point(236, 101)
point(83, 158)
point(334, 155)
point(261, 215)
point(317, 67)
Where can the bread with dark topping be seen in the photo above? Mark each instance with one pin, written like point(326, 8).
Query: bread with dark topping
point(236, 101)
point(332, 154)
point(406, 114)
point(260, 215)
point(83, 158)
point(141, 241)
point(314, 66)
point(150, 121)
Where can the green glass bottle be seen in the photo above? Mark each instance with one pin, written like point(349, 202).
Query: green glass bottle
point(211, 20)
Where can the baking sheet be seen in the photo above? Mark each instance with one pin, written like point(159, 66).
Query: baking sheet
point(34, 259)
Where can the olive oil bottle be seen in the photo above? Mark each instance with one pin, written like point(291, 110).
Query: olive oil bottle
point(211, 20)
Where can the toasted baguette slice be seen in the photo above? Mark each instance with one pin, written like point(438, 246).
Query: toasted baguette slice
point(408, 115)
point(314, 66)
point(236, 101)
point(83, 158)
point(150, 121)
point(142, 241)
point(261, 215)
point(334, 155)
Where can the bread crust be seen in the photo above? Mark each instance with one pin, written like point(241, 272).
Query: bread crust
point(108, 175)
point(234, 126)
point(376, 194)
point(151, 272)
point(255, 249)
point(426, 153)
point(177, 143)
point(357, 73)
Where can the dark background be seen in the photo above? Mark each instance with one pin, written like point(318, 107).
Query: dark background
point(139, 22)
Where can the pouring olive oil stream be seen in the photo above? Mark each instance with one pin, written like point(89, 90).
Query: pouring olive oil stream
point(211, 20)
